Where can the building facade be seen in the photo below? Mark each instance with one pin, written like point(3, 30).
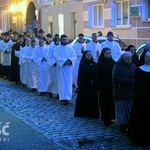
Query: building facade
point(4, 19)
point(18, 15)
point(63, 17)
point(128, 19)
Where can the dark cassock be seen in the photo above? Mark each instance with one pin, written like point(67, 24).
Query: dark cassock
point(105, 66)
point(87, 97)
point(139, 125)
point(15, 67)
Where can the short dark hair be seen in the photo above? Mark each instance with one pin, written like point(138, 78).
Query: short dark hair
point(41, 31)
point(56, 35)
point(80, 34)
point(33, 41)
point(48, 35)
point(63, 36)
point(110, 33)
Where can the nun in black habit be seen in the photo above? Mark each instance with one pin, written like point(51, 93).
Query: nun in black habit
point(105, 66)
point(87, 97)
point(135, 59)
point(139, 124)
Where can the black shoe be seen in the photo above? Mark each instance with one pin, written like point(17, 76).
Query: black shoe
point(41, 94)
point(23, 85)
point(57, 96)
point(107, 123)
point(33, 90)
point(5, 77)
point(64, 102)
point(50, 94)
point(123, 128)
point(76, 91)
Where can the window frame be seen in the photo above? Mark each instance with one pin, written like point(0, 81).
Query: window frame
point(145, 10)
point(115, 14)
point(4, 21)
point(100, 17)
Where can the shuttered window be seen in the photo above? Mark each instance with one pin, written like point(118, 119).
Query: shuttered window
point(148, 9)
point(96, 16)
point(123, 17)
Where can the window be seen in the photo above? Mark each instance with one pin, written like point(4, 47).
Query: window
point(61, 24)
point(4, 20)
point(146, 10)
point(96, 16)
point(120, 13)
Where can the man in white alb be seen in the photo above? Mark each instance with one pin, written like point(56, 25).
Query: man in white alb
point(31, 67)
point(41, 60)
point(78, 47)
point(65, 58)
point(114, 46)
point(94, 46)
point(53, 88)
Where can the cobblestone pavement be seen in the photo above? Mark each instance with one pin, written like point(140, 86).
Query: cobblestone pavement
point(57, 122)
point(19, 136)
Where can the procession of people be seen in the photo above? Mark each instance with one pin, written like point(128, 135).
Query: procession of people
point(110, 84)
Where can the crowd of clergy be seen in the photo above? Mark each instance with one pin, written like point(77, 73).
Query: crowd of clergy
point(100, 73)
point(34, 63)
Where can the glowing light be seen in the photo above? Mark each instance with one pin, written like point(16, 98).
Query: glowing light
point(13, 8)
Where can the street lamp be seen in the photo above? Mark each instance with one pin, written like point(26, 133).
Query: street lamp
point(16, 17)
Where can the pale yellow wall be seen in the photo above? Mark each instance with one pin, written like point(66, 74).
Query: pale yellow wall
point(66, 9)
point(107, 13)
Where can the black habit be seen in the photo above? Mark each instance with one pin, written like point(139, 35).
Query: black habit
point(104, 75)
point(139, 126)
point(87, 97)
point(15, 67)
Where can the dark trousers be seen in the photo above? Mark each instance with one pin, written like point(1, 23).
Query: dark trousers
point(6, 71)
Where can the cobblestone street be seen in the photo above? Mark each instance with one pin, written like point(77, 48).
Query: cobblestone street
point(56, 123)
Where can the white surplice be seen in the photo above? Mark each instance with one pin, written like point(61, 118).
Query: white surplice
point(114, 47)
point(42, 68)
point(22, 64)
point(77, 49)
point(53, 87)
point(6, 57)
point(62, 54)
point(31, 68)
point(95, 49)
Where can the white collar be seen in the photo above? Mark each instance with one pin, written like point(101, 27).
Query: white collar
point(145, 68)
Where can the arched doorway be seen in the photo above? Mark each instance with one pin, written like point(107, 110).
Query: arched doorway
point(31, 23)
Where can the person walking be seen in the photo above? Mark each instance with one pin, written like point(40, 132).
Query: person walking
point(65, 59)
point(31, 68)
point(123, 86)
point(78, 47)
point(135, 59)
point(15, 67)
point(114, 46)
point(94, 46)
point(53, 88)
point(139, 125)
point(6, 50)
point(48, 41)
point(142, 57)
point(41, 60)
point(105, 66)
point(87, 97)
point(22, 63)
